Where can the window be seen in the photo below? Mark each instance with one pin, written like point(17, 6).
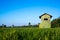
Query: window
point(45, 18)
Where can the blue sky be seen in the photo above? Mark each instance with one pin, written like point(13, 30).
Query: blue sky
point(21, 12)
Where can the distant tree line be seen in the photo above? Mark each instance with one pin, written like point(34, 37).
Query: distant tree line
point(3, 26)
point(13, 26)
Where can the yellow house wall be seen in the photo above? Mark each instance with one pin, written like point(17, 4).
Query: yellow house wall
point(45, 23)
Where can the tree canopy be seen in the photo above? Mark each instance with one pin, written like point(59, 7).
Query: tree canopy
point(55, 22)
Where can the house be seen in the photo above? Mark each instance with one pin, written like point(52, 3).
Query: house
point(45, 21)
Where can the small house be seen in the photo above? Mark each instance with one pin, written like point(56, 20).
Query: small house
point(45, 21)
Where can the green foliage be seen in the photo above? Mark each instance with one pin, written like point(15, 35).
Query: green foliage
point(29, 34)
point(55, 23)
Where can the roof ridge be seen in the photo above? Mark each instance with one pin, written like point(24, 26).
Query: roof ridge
point(44, 14)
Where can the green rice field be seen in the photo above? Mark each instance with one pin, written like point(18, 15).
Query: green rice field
point(29, 34)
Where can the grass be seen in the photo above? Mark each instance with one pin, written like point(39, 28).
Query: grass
point(29, 34)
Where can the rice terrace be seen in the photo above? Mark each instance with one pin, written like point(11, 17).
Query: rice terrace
point(29, 19)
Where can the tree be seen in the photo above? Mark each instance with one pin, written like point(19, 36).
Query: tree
point(55, 22)
point(4, 26)
point(0, 26)
point(13, 25)
point(29, 24)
